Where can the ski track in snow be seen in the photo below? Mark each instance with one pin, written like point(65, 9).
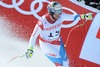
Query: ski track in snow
point(11, 47)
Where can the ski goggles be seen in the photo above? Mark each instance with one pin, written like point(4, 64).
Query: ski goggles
point(58, 11)
point(55, 11)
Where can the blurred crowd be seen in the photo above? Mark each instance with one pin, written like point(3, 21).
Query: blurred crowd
point(92, 3)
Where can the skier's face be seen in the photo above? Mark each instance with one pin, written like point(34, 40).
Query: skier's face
point(56, 16)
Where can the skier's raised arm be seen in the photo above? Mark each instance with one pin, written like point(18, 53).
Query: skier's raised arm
point(75, 19)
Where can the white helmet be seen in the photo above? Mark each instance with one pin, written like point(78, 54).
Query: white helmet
point(54, 8)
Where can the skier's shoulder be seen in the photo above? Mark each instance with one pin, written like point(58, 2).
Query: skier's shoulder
point(44, 16)
point(42, 20)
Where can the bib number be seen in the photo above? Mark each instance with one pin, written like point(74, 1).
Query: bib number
point(55, 34)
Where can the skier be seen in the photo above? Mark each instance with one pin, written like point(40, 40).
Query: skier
point(48, 29)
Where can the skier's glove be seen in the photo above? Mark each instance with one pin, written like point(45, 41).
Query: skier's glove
point(29, 52)
point(87, 16)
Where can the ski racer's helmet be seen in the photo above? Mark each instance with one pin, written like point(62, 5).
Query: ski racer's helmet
point(54, 8)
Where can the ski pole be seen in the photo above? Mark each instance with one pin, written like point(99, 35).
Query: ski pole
point(15, 58)
point(72, 30)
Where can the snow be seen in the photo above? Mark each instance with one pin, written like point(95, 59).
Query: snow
point(11, 47)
